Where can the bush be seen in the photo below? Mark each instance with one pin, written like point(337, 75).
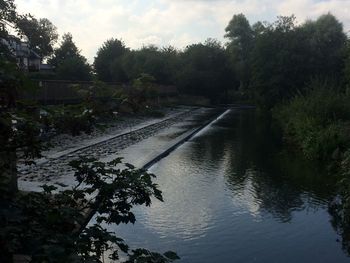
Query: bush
point(317, 122)
point(72, 119)
point(48, 226)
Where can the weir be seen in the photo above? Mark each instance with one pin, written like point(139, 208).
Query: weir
point(165, 150)
point(183, 140)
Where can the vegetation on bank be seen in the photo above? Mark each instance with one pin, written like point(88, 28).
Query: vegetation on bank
point(45, 226)
point(316, 121)
point(317, 124)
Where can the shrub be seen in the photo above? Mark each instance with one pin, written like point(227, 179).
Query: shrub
point(317, 121)
point(72, 119)
point(48, 226)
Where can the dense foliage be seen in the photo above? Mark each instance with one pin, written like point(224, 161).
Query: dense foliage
point(107, 62)
point(41, 34)
point(46, 225)
point(266, 62)
point(318, 121)
point(205, 71)
point(160, 63)
point(275, 61)
point(69, 63)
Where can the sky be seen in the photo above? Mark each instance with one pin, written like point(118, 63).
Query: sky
point(167, 22)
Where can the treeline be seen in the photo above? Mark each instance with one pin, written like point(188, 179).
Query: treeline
point(264, 62)
point(200, 69)
point(275, 61)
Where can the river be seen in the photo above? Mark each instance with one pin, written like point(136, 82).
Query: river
point(232, 194)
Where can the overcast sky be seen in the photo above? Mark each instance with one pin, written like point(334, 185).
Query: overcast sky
point(166, 22)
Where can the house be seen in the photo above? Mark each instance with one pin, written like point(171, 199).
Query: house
point(27, 59)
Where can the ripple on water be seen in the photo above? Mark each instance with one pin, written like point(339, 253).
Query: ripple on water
point(228, 199)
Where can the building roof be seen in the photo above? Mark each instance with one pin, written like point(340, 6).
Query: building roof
point(34, 55)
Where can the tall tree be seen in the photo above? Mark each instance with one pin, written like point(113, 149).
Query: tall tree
point(69, 63)
point(286, 56)
point(240, 35)
point(8, 17)
point(239, 32)
point(17, 131)
point(41, 34)
point(277, 62)
point(108, 61)
point(325, 43)
point(204, 70)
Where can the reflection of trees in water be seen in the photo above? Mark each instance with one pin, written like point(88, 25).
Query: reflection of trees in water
point(340, 220)
point(245, 145)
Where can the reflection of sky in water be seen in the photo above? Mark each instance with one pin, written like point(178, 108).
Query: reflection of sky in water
point(225, 202)
point(187, 210)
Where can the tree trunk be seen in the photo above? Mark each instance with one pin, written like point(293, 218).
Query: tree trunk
point(8, 173)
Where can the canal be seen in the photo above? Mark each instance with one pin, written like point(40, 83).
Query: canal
point(232, 194)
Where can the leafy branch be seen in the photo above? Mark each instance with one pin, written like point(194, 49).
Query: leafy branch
point(45, 225)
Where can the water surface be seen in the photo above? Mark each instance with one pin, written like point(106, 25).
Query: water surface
point(231, 194)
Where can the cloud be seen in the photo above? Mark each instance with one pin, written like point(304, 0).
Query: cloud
point(308, 9)
point(164, 22)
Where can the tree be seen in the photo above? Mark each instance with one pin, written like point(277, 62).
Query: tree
point(239, 32)
point(240, 35)
point(325, 43)
point(205, 71)
point(278, 63)
point(66, 50)
point(74, 68)
point(160, 63)
point(50, 227)
point(285, 57)
point(41, 34)
point(69, 63)
point(17, 128)
point(8, 15)
point(107, 62)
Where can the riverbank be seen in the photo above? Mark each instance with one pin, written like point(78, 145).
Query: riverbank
point(316, 125)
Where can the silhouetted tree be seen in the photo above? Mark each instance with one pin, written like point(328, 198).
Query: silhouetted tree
point(324, 46)
point(107, 62)
point(205, 70)
point(41, 34)
point(286, 56)
point(240, 35)
point(69, 63)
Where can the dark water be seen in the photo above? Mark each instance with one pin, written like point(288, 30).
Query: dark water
point(232, 195)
